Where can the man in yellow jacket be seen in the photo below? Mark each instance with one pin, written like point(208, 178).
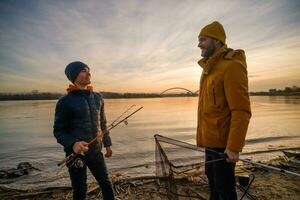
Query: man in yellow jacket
point(223, 110)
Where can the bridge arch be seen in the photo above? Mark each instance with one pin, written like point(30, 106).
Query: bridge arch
point(176, 88)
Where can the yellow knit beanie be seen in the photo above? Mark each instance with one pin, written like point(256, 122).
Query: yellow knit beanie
point(214, 30)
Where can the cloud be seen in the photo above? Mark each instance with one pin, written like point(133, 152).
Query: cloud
point(141, 45)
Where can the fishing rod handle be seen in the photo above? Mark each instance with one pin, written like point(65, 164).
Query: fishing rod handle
point(65, 159)
point(62, 162)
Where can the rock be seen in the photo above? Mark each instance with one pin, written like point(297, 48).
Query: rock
point(23, 168)
point(3, 174)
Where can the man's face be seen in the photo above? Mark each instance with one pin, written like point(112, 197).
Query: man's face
point(84, 77)
point(207, 46)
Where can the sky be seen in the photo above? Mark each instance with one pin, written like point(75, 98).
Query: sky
point(142, 46)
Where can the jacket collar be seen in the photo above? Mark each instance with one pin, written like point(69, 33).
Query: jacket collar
point(72, 88)
point(208, 64)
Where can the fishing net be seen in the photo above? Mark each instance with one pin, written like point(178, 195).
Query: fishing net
point(180, 167)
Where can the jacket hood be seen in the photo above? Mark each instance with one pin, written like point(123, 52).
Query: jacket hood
point(72, 88)
point(228, 54)
point(237, 56)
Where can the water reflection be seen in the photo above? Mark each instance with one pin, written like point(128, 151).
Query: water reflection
point(26, 130)
point(278, 99)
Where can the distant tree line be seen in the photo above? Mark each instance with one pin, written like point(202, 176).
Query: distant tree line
point(106, 95)
point(35, 95)
point(29, 96)
point(287, 91)
point(113, 95)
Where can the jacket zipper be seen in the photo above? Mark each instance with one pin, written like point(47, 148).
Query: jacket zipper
point(91, 117)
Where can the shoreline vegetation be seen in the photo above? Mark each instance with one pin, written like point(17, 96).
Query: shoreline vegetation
point(36, 95)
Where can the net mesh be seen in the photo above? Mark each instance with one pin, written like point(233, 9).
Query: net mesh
point(180, 167)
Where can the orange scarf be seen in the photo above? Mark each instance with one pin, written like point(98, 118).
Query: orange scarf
point(75, 87)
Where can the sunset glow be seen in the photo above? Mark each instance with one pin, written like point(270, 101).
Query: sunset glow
point(142, 46)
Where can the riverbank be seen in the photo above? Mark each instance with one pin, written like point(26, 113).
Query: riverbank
point(112, 95)
point(266, 185)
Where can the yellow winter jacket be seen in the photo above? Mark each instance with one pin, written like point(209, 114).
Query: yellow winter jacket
point(224, 106)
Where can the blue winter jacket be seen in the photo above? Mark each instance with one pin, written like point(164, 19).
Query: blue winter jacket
point(79, 115)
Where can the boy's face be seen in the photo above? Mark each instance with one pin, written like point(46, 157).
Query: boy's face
point(84, 77)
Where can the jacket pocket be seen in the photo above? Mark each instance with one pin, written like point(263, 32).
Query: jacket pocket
point(224, 127)
point(217, 96)
point(212, 94)
point(210, 130)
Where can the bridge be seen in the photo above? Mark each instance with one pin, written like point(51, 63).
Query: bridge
point(179, 88)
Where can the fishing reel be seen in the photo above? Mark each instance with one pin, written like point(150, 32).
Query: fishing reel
point(78, 163)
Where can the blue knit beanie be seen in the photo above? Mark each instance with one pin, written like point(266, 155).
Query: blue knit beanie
point(73, 69)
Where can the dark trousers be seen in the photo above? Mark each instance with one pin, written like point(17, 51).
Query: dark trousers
point(94, 160)
point(220, 175)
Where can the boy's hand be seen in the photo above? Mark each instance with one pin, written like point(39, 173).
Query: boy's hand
point(108, 152)
point(80, 147)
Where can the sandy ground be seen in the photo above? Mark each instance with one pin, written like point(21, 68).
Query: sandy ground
point(266, 185)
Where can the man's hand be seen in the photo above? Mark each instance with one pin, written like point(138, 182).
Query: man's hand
point(232, 156)
point(108, 152)
point(80, 147)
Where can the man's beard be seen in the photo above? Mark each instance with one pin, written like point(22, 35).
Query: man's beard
point(209, 51)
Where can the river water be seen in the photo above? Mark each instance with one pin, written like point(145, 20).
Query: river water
point(26, 134)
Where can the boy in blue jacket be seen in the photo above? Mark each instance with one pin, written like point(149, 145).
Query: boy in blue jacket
point(80, 117)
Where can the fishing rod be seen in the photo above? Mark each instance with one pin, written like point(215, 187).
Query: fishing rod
point(270, 167)
point(121, 115)
point(72, 157)
point(196, 148)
